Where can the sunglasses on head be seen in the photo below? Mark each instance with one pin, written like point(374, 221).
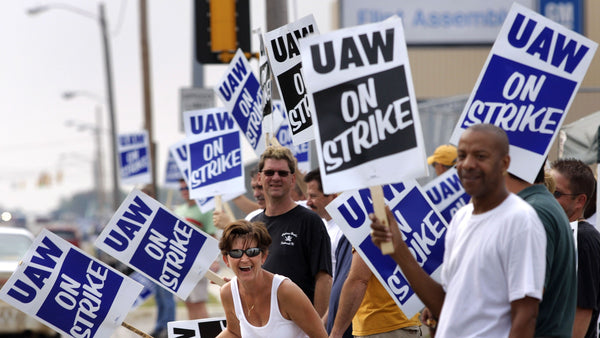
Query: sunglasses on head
point(281, 173)
point(558, 194)
point(250, 252)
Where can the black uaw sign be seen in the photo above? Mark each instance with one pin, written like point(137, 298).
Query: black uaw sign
point(372, 119)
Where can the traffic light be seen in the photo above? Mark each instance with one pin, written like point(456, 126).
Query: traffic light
point(222, 26)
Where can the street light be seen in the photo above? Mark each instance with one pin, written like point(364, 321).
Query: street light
point(97, 130)
point(100, 19)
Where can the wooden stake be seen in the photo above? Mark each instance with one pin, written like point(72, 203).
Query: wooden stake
point(135, 330)
point(218, 203)
point(379, 210)
point(228, 210)
point(213, 277)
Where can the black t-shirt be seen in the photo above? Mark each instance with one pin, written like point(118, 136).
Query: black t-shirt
point(300, 249)
point(588, 274)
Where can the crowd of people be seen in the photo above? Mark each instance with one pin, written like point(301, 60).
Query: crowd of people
point(520, 259)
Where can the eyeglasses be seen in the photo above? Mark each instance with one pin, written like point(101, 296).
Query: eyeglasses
point(281, 173)
point(183, 188)
point(250, 252)
point(558, 194)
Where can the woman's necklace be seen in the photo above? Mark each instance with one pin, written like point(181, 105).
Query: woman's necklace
point(250, 309)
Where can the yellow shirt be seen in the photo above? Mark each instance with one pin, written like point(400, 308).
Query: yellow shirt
point(378, 313)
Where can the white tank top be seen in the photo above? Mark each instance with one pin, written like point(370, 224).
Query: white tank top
point(277, 326)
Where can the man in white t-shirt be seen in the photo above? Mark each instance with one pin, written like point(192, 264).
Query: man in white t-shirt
point(494, 261)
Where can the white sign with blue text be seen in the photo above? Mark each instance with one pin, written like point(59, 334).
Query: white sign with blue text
point(527, 85)
point(215, 153)
point(286, 63)
point(180, 155)
point(172, 173)
point(284, 137)
point(134, 158)
point(241, 94)
point(447, 193)
point(422, 227)
point(68, 290)
point(151, 239)
point(360, 86)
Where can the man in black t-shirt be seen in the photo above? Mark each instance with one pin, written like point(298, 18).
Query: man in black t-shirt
point(575, 185)
point(301, 248)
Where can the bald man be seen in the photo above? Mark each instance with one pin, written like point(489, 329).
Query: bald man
point(494, 261)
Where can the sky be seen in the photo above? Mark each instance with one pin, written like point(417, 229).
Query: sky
point(57, 51)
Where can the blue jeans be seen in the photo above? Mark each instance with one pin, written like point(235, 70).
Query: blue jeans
point(165, 303)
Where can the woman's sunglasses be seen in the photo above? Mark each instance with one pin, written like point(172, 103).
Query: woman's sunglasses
point(250, 252)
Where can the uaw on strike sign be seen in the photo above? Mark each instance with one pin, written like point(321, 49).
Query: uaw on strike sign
point(68, 290)
point(286, 63)
point(215, 153)
point(527, 85)
point(368, 130)
point(422, 227)
point(148, 237)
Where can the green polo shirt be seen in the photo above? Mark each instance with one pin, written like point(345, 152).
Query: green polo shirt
point(557, 308)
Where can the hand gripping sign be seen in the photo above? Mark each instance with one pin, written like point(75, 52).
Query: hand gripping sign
point(422, 227)
point(447, 194)
point(284, 58)
point(215, 153)
point(240, 91)
point(360, 87)
point(527, 86)
point(68, 290)
point(134, 158)
point(149, 238)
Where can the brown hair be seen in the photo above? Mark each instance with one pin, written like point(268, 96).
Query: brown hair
point(249, 231)
point(278, 153)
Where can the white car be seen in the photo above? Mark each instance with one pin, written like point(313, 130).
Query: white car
point(14, 243)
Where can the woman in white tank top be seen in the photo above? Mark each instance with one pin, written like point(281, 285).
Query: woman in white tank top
point(258, 303)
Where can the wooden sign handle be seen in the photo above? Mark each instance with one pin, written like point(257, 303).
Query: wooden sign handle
point(218, 203)
point(213, 277)
point(228, 210)
point(135, 330)
point(379, 210)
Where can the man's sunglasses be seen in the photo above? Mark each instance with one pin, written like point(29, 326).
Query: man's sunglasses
point(558, 194)
point(250, 252)
point(282, 173)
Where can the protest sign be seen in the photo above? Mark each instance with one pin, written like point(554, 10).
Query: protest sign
point(68, 290)
point(284, 58)
point(149, 238)
point(172, 173)
point(447, 193)
point(284, 137)
point(360, 87)
point(527, 85)
point(240, 92)
point(194, 99)
point(134, 158)
point(215, 153)
point(180, 155)
point(264, 76)
point(208, 327)
point(422, 227)
point(148, 290)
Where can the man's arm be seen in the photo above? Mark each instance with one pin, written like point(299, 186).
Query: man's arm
point(430, 292)
point(245, 204)
point(322, 292)
point(581, 322)
point(523, 313)
point(352, 295)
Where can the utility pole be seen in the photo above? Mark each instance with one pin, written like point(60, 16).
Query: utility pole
point(147, 89)
point(276, 17)
point(111, 109)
